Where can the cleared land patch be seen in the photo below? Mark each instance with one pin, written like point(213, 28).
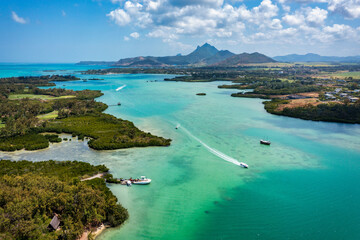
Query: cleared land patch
point(299, 103)
point(51, 115)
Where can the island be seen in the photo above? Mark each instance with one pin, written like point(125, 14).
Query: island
point(55, 200)
point(30, 115)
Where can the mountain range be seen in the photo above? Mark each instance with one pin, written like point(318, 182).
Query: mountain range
point(208, 55)
point(311, 57)
point(205, 55)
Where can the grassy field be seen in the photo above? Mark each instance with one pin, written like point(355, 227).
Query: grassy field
point(51, 115)
point(33, 96)
point(286, 79)
point(346, 74)
point(340, 75)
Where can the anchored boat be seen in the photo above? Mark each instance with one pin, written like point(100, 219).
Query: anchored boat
point(265, 142)
point(141, 181)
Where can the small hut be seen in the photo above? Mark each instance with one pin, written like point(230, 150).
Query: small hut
point(55, 223)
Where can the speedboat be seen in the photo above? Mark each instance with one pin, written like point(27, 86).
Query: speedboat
point(142, 181)
point(265, 142)
point(244, 165)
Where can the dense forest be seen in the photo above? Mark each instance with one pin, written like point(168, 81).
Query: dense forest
point(31, 193)
point(274, 87)
point(332, 112)
point(38, 80)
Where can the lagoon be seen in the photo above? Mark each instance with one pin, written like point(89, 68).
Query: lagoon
point(301, 187)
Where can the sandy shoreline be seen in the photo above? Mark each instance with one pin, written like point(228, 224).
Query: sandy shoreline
point(95, 232)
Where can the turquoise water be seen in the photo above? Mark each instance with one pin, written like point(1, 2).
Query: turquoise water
point(36, 69)
point(304, 186)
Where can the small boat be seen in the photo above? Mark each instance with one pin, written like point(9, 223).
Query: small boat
point(128, 183)
point(177, 126)
point(244, 165)
point(265, 142)
point(142, 181)
point(119, 104)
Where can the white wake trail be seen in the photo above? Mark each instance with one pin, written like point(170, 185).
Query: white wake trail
point(213, 150)
point(119, 88)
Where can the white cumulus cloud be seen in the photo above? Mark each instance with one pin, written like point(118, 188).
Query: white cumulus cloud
point(135, 35)
point(309, 16)
point(226, 22)
point(316, 16)
point(348, 8)
point(120, 17)
point(294, 19)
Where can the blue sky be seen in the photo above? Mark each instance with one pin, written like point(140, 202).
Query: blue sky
point(74, 30)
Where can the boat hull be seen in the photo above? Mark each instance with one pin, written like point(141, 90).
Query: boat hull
point(244, 165)
point(265, 142)
point(142, 182)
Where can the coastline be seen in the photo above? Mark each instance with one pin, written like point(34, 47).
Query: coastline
point(74, 140)
point(94, 234)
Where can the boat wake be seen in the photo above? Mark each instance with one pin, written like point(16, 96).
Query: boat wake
point(213, 150)
point(119, 88)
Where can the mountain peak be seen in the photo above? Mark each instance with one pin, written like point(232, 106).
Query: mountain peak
point(207, 45)
point(203, 52)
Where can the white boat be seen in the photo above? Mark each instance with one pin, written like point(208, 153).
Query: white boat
point(244, 165)
point(142, 181)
